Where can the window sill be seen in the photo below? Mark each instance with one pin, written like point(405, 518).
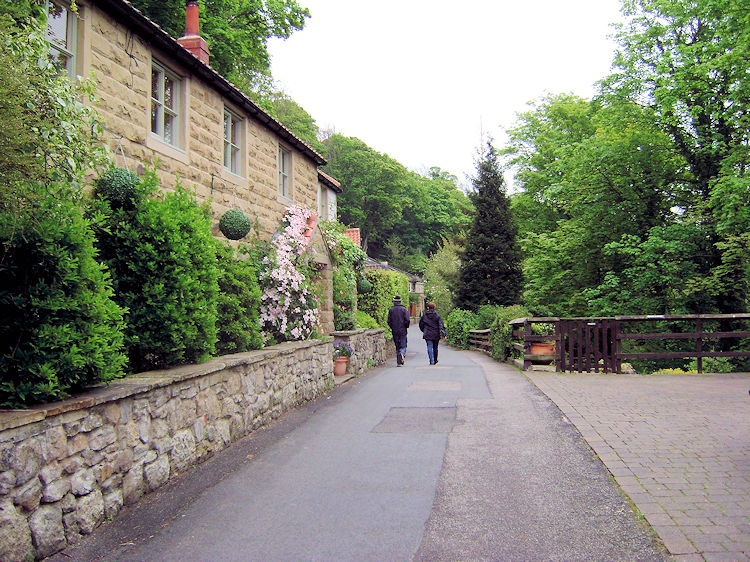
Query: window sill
point(158, 145)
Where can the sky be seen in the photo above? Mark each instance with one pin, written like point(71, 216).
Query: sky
point(423, 81)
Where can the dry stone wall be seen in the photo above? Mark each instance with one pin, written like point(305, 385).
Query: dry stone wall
point(68, 466)
point(369, 348)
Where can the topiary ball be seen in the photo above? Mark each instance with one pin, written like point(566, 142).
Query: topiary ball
point(363, 285)
point(118, 186)
point(234, 224)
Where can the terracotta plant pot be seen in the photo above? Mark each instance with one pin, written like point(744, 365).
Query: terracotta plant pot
point(339, 366)
point(542, 349)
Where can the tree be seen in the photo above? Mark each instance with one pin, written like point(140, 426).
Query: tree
point(688, 62)
point(491, 262)
point(237, 31)
point(296, 119)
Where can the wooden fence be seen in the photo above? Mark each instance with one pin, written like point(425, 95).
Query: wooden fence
point(602, 344)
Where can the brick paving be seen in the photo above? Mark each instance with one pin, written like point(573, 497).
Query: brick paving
point(678, 445)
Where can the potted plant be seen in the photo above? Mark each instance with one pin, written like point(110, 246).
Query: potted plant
point(342, 351)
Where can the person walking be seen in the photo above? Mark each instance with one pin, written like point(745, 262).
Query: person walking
point(398, 320)
point(432, 327)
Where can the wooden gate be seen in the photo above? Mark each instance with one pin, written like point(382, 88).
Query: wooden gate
point(588, 344)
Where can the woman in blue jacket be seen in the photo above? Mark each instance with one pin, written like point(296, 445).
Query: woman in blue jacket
point(433, 329)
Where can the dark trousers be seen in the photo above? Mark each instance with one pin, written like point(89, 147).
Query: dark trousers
point(400, 343)
point(432, 350)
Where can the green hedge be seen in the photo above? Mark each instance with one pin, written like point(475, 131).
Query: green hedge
point(500, 331)
point(364, 320)
point(238, 305)
point(457, 327)
point(60, 329)
point(386, 284)
point(163, 262)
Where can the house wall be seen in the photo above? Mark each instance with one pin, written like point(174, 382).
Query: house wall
point(121, 64)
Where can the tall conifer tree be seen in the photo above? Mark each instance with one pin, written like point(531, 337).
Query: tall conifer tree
point(491, 262)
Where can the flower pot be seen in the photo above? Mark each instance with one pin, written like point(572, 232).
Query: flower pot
point(542, 349)
point(339, 366)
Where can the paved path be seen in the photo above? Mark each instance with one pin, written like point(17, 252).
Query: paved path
point(678, 445)
point(466, 460)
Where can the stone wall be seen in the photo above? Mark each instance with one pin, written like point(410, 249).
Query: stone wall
point(66, 467)
point(369, 348)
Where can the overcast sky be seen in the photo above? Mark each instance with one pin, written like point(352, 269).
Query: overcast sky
point(420, 80)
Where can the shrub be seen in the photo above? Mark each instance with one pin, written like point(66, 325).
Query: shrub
point(238, 304)
point(712, 365)
point(364, 320)
point(118, 186)
point(385, 285)
point(163, 263)
point(457, 327)
point(501, 332)
point(234, 224)
point(343, 319)
point(486, 315)
point(60, 330)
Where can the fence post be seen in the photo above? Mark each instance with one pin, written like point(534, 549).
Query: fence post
point(526, 344)
point(559, 351)
point(699, 344)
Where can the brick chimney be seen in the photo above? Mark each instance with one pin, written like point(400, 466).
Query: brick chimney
point(192, 40)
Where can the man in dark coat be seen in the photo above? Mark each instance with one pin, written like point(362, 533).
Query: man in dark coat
point(398, 320)
point(433, 329)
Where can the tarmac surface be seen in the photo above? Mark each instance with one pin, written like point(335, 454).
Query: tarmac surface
point(469, 459)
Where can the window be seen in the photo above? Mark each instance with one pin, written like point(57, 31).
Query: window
point(285, 158)
point(232, 142)
point(165, 103)
point(61, 34)
point(322, 202)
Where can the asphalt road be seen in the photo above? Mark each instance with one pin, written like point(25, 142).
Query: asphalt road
point(464, 460)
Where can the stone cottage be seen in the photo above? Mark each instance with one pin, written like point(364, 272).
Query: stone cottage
point(161, 101)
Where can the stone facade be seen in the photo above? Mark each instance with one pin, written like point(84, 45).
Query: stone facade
point(66, 467)
point(119, 49)
point(370, 348)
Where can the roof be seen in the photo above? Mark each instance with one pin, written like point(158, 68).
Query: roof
point(124, 12)
point(327, 180)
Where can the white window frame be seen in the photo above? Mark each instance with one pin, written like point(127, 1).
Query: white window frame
point(158, 121)
point(285, 172)
point(233, 144)
point(63, 48)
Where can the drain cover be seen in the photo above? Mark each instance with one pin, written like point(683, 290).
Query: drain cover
point(417, 420)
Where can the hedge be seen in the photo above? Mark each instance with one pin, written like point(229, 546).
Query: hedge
point(457, 327)
point(386, 284)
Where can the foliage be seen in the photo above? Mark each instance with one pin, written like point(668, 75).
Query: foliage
point(238, 303)
point(486, 315)
point(402, 215)
point(237, 31)
point(118, 186)
point(501, 332)
point(47, 136)
point(234, 224)
point(491, 262)
point(342, 348)
point(289, 306)
point(296, 119)
point(712, 365)
point(364, 320)
point(60, 328)
point(163, 263)
point(385, 285)
point(441, 276)
point(348, 260)
point(457, 326)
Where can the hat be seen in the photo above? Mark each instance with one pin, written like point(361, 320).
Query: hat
point(397, 299)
